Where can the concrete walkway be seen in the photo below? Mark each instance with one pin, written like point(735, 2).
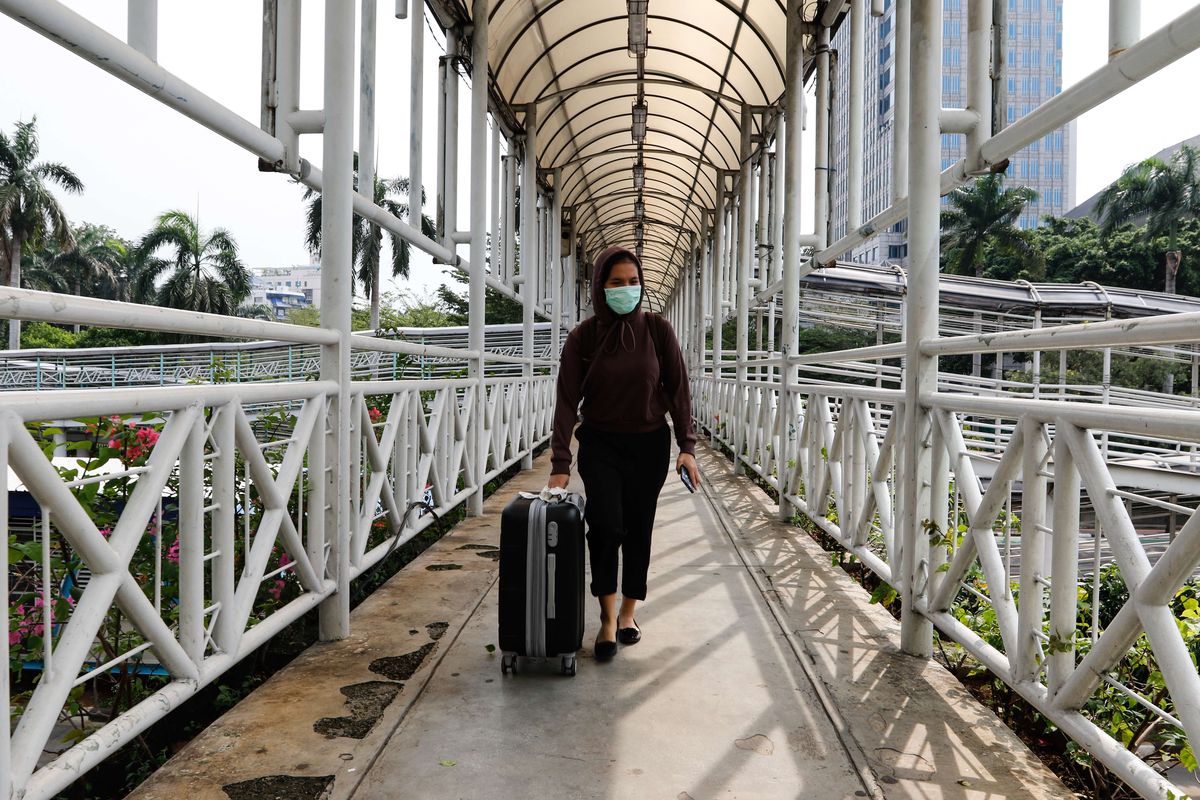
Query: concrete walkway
point(799, 692)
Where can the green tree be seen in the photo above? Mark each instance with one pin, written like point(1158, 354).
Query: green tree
point(95, 261)
point(497, 308)
point(1165, 193)
point(29, 211)
point(980, 218)
point(204, 272)
point(367, 237)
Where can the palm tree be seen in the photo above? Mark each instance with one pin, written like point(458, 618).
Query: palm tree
point(203, 272)
point(28, 210)
point(1166, 194)
point(367, 237)
point(981, 215)
point(94, 262)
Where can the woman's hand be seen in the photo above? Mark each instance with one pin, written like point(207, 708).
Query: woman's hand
point(559, 481)
point(688, 461)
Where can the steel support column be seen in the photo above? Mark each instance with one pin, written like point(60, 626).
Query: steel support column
point(792, 120)
point(854, 162)
point(821, 152)
point(416, 111)
point(479, 199)
point(366, 128)
point(528, 275)
point(745, 264)
point(921, 304)
point(336, 294)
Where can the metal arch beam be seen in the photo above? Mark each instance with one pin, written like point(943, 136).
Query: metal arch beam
point(657, 155)
point(712, 120)
point(598, 22)
point(633, 150)
point(665, 172)
point(699, 151)
point(684, 208)
point(600, 182)
point(618, 79)
point(741, 100)
point(661, 205)
point(568, 118)
point(624, 127)
point(727, 4)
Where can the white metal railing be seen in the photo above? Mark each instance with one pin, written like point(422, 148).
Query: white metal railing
point(837, 453)
point(236, 492)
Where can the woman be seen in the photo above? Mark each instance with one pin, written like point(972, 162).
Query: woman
point(626, 367)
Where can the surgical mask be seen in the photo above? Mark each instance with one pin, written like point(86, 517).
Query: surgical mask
point(623, 299)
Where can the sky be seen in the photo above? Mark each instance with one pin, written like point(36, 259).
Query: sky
point(138, 158)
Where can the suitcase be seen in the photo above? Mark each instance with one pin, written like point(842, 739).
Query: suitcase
point(541, 580)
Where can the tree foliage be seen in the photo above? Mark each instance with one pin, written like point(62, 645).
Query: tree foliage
point(980, 220)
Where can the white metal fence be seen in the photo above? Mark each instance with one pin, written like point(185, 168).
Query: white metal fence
point(834, 451)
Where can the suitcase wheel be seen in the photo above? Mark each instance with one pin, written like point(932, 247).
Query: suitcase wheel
point(508, 662)
point(568, 665)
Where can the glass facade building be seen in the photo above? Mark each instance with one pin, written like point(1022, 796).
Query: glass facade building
point(1034, 74)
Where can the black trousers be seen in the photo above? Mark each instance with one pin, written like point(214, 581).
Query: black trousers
point(622, 475)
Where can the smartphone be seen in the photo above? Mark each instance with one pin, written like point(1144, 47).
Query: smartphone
point(687, 480)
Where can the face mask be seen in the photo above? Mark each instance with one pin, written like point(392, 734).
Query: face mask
point(623, 299)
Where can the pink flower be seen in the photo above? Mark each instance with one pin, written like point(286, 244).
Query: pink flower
point(375, 414)
point(114, 444)
point(173, 552)
point(105, 532)
point(276, 589)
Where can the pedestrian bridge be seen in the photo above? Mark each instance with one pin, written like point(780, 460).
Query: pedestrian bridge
point(986, 505)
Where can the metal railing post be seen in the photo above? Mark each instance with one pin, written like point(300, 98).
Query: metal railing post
point(416, 111)
point(336, 291)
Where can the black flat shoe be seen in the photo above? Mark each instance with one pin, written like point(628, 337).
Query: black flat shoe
point(629, 635)
point(605, 650)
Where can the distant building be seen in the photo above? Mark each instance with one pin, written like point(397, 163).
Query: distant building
point(1034, 74)
point(285, 288)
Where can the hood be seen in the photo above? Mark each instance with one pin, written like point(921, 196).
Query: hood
point(600, 271)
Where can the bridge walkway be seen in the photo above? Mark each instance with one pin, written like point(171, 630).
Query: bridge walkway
point(798, 691)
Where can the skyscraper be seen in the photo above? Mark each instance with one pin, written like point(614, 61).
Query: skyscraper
point(1034, 74)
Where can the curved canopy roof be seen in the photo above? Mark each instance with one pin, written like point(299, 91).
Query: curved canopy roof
point(702, 61)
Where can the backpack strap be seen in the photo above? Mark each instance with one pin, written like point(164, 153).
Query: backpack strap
point(587, 341)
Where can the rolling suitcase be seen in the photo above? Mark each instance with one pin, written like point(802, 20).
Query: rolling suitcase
point(541, 579)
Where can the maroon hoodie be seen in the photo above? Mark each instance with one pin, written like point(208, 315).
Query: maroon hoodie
point(623, 390)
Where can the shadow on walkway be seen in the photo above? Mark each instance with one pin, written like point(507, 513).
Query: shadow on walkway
point(713, 703)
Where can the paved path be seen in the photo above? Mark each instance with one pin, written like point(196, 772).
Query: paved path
point(729, 695)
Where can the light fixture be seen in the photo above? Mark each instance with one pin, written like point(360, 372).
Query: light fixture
point(639, 232)
point(640, 114)
point(639, 208)
point(637, 26)
point(639, 175)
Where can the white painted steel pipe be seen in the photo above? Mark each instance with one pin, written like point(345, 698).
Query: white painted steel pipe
point(50, 307)
point(479, 239)
point(854, 160)
point(745, 263)
point(900, 117)
point(416, 111)
point(921, 314)
point(1124, 25)
point(792, 123)
point(449, 188)
point(142, 30)
point(1163, 329)
point(717, 294)
point(90, 42)
point(336, 295)
point(1161, 48)
point(529, 287)
point(821, 218)
point(979, 79)
point(1138, 774)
